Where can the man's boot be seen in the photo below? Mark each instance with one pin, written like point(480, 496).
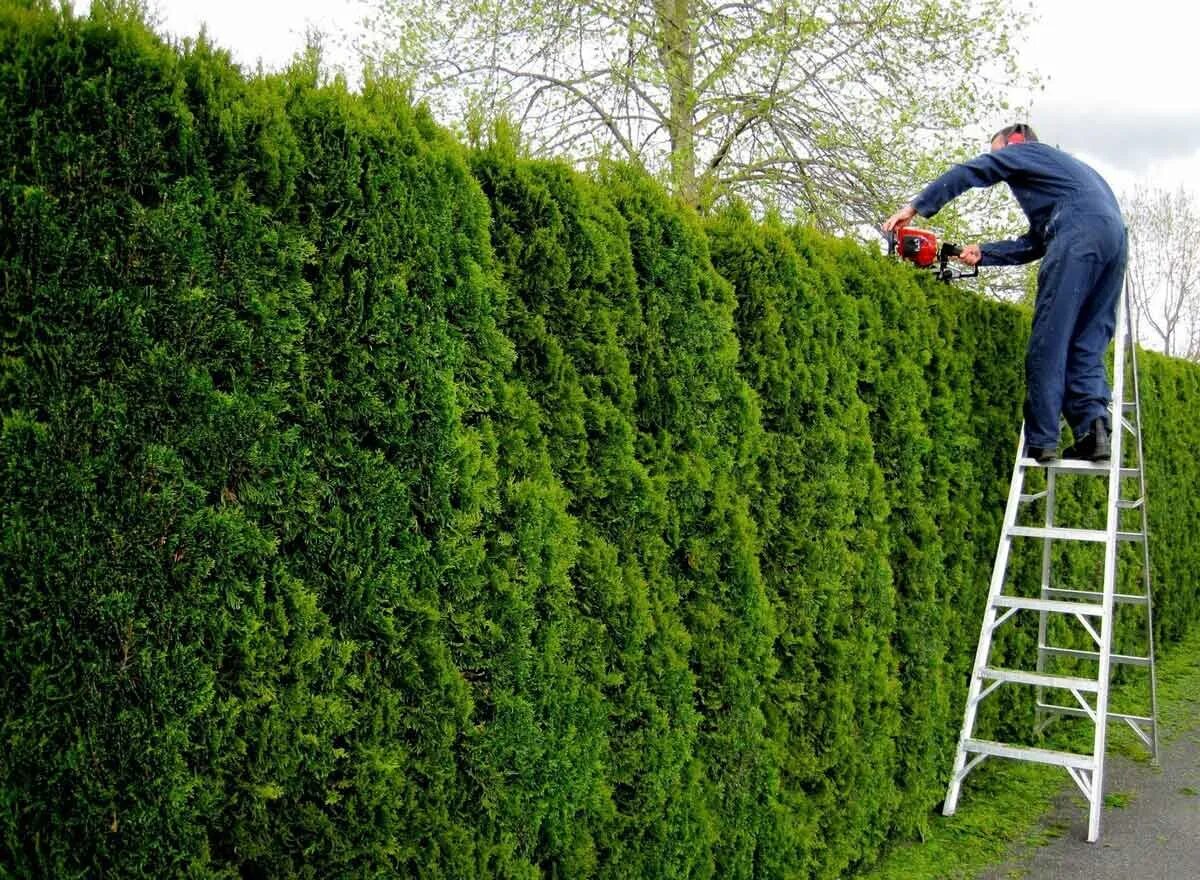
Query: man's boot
point(1041, 454)
point(1092, 446)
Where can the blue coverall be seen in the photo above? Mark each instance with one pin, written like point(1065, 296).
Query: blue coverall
point(1075, 224)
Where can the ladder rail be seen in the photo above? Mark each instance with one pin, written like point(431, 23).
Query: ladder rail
point(1144, 507)
point(1047, 586)
point(1112, 527)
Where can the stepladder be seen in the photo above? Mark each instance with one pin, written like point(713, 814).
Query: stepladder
point(1068, 561)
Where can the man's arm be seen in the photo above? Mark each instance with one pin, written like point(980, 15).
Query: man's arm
point(985, 170)
point(1016, 252)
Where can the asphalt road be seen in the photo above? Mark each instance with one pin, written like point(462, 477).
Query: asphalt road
point(1150, 829)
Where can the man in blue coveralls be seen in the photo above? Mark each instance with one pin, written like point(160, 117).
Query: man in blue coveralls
point(1075, 226)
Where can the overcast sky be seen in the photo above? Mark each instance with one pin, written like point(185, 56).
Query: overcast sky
point(1120, 76)
point(1121, 87)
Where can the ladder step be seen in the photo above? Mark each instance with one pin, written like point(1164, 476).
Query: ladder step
point(1076, 466)
point(1027, 498)
point(1124, 659)
point(1077, 712)
point(1098, 536)
point(1131, 505)
point(1027, 753)
point(1060, 607)
point(1119, 598)
point(1020, 676)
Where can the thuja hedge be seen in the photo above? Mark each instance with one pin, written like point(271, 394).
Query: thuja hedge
point(376, 508)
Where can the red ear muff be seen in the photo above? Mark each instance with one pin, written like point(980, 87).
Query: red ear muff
point(1015, 138)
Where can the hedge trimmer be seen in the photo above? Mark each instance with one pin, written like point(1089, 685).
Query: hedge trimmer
point(920, 247)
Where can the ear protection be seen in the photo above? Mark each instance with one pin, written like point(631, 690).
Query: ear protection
point(1015, 138)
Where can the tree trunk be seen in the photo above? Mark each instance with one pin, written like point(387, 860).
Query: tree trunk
point(676, 49)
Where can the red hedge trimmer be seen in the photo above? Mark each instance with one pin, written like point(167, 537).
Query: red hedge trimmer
point(920, 247)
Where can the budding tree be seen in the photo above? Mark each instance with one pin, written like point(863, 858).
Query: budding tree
point(833, 108)
point(1164, 268)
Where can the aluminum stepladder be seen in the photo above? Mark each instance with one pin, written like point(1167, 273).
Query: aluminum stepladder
point(1093, 610)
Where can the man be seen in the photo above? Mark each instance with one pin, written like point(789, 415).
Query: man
point(1075, 226)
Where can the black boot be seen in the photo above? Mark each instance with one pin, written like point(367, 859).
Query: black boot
point(1092, 446)
point(1041, 454)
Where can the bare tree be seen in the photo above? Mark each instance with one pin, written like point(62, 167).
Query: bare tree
point(828, 107)
point(1164, 268)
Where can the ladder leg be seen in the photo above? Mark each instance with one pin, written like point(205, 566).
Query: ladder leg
point(1145, 503)
point(1101, 739)
point(1110, 574)
point(1150, 638)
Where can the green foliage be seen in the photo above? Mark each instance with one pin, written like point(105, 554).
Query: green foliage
point(374, 508)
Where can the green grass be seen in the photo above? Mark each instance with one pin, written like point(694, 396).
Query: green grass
point(1119, 800)
point(1003, 802)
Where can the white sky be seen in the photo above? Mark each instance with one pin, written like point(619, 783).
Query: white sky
point(1120, 87)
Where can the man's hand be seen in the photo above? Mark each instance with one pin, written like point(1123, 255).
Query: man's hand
point(970, 255)
point(899, 218)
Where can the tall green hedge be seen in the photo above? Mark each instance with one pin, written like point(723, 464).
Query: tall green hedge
point(376, 508)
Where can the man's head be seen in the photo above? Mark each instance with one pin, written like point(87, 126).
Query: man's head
point(1013, 134)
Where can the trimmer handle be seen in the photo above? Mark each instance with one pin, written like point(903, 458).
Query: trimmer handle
point(944, 272)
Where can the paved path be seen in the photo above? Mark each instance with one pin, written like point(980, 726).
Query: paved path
point(1155, 835)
